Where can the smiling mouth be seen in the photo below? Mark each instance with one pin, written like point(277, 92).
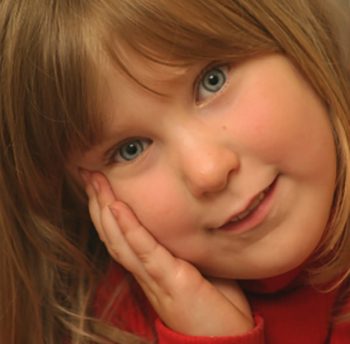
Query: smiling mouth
point(252, 206)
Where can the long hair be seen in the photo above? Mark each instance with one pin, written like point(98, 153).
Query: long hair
point(51, 79)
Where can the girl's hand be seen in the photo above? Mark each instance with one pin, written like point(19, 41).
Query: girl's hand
point(184, 300)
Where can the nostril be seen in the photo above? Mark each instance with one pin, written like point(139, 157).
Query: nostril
point(210, 176)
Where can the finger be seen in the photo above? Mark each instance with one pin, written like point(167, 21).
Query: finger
point(156, 260)
point(104, 192)
point(117, 245)
point(95, 212)
point(93, 206)
point(101, 197)
point(120, 249)
point(234, 294)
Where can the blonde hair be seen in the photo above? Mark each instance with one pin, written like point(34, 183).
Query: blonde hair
point(51, 72)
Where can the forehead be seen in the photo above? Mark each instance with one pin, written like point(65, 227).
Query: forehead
point(147, 68)
point(135, 75)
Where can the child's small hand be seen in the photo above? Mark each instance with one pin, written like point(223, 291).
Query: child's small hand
point(181, 296)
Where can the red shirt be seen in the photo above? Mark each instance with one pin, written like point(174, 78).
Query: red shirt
point(285, 312)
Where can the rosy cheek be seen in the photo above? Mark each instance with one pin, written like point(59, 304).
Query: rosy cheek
point(158, 204)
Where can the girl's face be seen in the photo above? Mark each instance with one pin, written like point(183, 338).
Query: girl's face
point(232, 170)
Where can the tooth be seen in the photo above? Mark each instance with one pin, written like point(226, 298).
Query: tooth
point(257, 201)
point(251, 208)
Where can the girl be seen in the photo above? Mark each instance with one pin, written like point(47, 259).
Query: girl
point(212, 140)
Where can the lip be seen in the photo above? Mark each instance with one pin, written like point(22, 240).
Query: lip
point(256, 216)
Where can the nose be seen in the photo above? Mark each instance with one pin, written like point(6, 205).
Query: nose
point(207, 164)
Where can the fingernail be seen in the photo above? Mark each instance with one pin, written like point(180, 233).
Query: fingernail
point(95, 185)
point(114, 211)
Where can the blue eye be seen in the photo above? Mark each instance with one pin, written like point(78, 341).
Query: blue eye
point(211, 82)
point(130, 150)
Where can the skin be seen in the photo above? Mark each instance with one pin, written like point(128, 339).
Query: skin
point(209, 154)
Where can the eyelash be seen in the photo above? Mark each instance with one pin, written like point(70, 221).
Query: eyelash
point(112, 158)
point(224, 67)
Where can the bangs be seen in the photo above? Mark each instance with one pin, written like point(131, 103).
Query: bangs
point(185, 31)
point(191, 30)
point(91, 36)
point(64, 91)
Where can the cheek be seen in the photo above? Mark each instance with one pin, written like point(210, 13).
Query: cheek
point(289, 134)
point(158, 202)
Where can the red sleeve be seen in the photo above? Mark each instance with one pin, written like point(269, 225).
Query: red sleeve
point(133, 313)
point(167, 336)
point(341, 331)
point(341, 334)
